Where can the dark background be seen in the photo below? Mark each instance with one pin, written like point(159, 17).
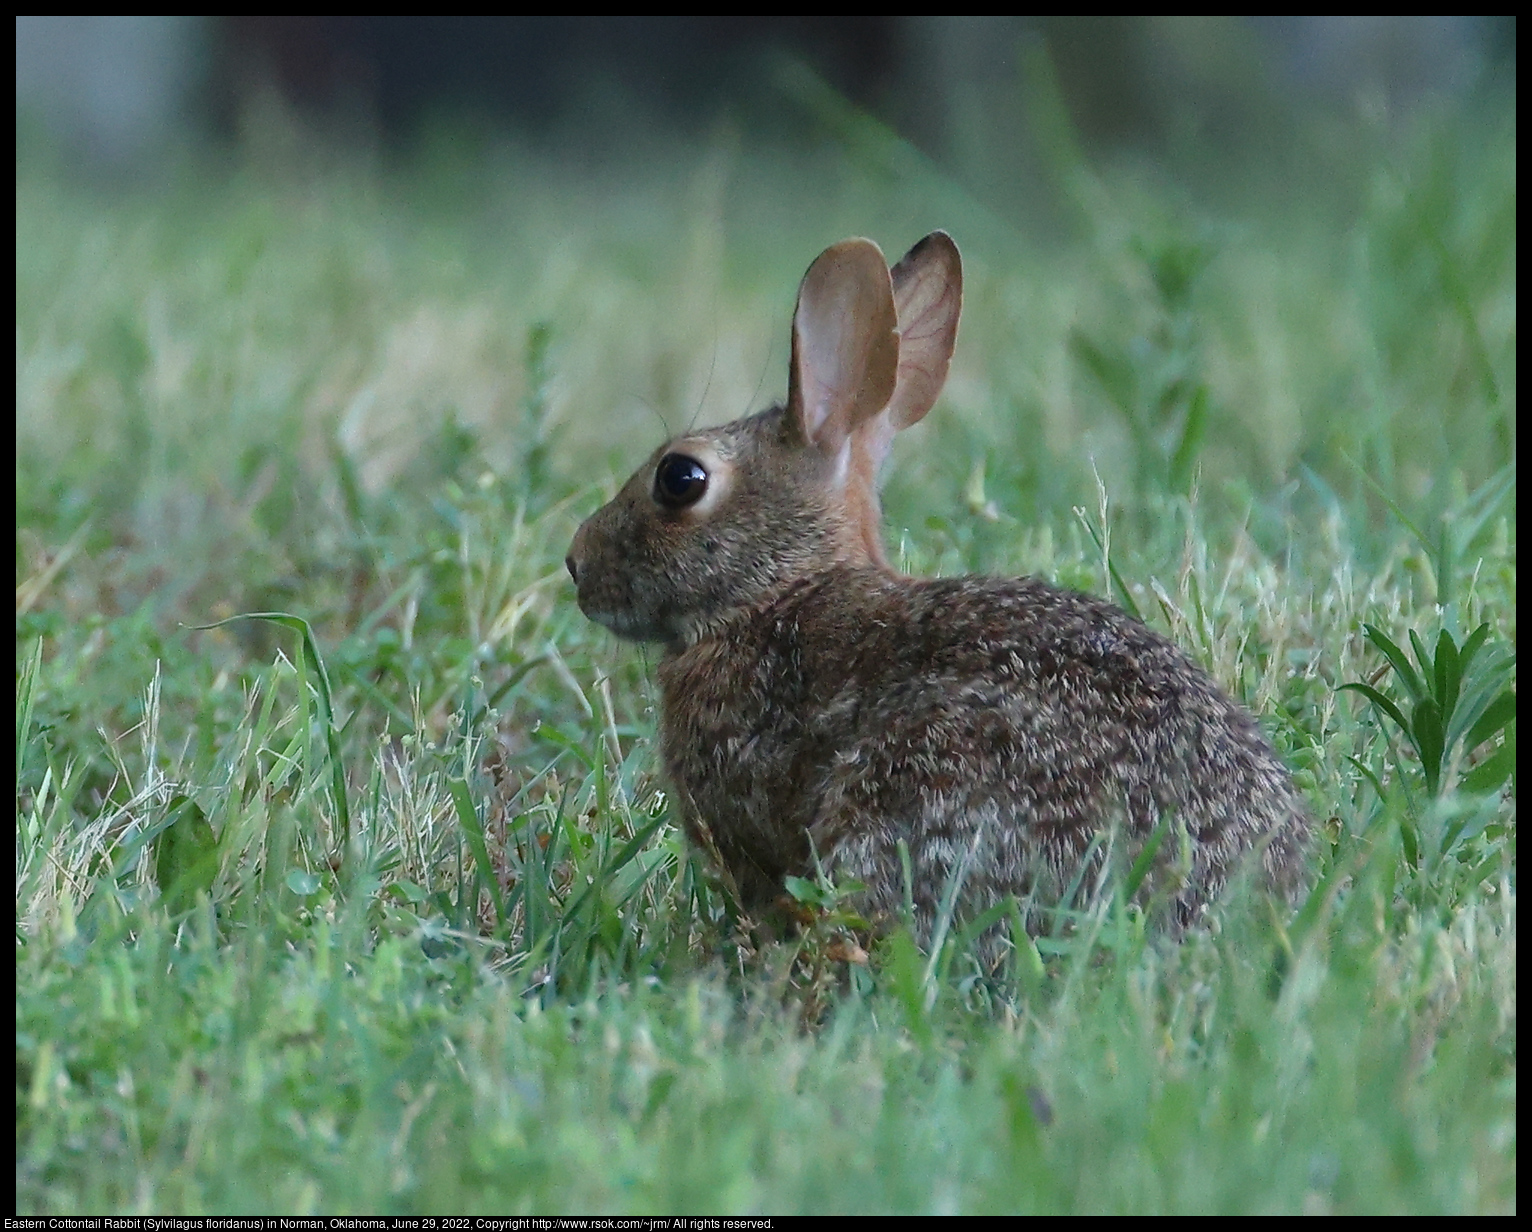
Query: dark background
point(120, 91)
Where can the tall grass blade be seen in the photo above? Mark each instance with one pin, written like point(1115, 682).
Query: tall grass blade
point(338, 795)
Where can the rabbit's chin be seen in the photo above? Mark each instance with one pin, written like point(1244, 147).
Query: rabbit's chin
point(630, 626)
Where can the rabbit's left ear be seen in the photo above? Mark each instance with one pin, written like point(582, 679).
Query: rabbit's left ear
point(928, 297)
point(845, 345)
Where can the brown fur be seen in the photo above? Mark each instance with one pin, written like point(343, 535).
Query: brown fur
point(815, 700)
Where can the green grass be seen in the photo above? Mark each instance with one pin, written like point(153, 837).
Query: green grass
point(380, 909)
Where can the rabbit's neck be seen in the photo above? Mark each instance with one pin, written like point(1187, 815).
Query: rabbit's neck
point(751, 719)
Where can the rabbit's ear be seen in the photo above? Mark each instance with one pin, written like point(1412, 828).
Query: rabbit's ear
point(845, 345)
point(928, 296)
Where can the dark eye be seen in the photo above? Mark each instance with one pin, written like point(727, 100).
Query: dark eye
point(679, 481)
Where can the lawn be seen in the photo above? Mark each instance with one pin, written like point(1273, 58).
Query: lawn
point(375, 904)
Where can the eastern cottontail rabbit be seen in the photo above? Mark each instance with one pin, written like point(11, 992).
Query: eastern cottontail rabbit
point(813, 697)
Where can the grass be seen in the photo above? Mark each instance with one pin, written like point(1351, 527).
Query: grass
point(376, 906)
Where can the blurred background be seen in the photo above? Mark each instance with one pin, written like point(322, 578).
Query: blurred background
point(1233, 244)
point(124, 90)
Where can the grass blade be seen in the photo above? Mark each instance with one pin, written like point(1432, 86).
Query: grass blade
point(1402, 666)
point(338, 796)
point(468, 818)
point(1383, 703)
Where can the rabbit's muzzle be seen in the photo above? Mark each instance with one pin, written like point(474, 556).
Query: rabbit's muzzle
point(606, 591)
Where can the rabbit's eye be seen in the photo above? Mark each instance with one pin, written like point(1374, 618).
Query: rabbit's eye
point(679, 481)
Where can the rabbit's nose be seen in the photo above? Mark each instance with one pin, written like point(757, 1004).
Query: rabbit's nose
point(575, 557)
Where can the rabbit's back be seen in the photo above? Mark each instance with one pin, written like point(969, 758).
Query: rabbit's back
point(996, 724)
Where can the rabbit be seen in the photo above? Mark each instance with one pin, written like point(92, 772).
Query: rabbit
point(912, 734)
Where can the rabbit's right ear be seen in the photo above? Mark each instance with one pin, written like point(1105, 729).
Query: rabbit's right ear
point(845, 346)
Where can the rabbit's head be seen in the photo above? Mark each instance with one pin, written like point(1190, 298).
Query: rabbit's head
point(727, 518)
